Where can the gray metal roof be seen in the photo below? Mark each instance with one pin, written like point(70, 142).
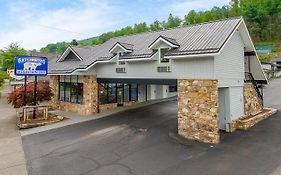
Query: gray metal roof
point(192, 40)
point(127, 46)
point(171, 40)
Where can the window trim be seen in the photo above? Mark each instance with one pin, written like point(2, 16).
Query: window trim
point(118, 59)
point(160, 59)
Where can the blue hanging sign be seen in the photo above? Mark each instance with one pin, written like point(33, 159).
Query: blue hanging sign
point(31, 66)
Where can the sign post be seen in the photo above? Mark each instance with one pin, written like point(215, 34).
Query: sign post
point(35, 95)
point(24, 96)
point(31, 66)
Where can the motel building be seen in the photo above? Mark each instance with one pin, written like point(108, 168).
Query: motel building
point(212, 68)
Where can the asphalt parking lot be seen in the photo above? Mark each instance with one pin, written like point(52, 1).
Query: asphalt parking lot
point(138, 142)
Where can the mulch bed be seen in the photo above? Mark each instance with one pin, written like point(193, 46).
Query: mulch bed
point(38, 121)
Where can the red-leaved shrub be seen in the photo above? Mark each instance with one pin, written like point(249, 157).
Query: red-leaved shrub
point(16, 97)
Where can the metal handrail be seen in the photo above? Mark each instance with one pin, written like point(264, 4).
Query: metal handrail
point(249, 78)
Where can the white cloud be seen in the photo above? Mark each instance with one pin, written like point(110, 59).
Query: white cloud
point(35, 27)
point(182, 8)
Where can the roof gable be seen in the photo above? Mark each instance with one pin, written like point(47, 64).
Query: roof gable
point(69, 54)
point(123, 46)
point(171, 42)
point(71, 57)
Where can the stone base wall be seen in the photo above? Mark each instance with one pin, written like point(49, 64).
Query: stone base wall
point(72, 107)
point(252, 104)
point(106, 107)
point(198, 110)
point(129, 103)
point(90, 96)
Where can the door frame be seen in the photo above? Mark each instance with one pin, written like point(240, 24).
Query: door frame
point(122, 94)
point(223, 120)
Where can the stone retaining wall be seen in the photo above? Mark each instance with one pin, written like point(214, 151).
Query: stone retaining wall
point(252, 104)
point(198, 110)
point(246, 123)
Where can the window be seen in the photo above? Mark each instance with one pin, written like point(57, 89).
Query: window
point(126, 92)
point(71, 89)
point(162, 52)
point(134, 92)
point(120, 62)
point(111, 93)
point(102, 93)
point(107, 92)
point(173, 88)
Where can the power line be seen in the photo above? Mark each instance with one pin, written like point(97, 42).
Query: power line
point(65, 30)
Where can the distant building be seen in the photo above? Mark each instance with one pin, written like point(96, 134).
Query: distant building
point(269, 69)
point(277, 62)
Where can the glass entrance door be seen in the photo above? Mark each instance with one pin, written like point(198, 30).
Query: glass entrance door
point(120, 94)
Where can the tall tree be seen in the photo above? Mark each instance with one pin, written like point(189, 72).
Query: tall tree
point(156, 25)
point(8, 55)
point(172, 22)
point(141, 27)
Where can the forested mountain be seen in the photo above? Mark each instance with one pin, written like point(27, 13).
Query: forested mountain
point(263, 19)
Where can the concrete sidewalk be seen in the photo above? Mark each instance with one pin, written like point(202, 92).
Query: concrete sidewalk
point(75, 118)
point(12, 161)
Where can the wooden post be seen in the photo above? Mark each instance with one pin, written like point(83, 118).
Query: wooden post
point(24, 114)
point(46, 112)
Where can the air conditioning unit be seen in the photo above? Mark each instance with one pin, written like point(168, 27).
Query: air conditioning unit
point(120, 70)
point(163, 69)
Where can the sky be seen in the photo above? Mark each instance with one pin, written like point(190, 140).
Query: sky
point(35, 23)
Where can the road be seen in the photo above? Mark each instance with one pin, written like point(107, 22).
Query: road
point(137, 142)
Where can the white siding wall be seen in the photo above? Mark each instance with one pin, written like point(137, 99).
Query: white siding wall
point(229, 64)
point(185, 68)
point(192, 68)
point(236, 102)
point(158, 92)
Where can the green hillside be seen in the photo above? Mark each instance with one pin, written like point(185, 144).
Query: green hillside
point(263, 19)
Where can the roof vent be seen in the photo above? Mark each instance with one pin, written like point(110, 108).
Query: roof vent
point(74, 43)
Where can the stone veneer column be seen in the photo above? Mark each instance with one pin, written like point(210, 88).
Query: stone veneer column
point(90, 94)
point(54, 84)
point(198, 110)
